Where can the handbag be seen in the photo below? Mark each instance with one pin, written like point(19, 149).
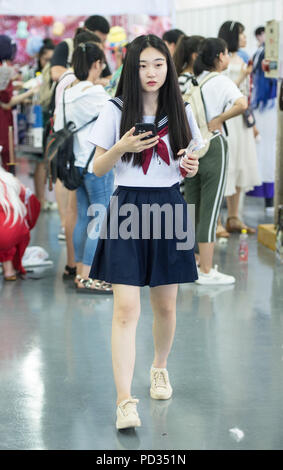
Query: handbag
point(248, 115)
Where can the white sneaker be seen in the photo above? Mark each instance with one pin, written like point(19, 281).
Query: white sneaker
point(214, 277)
point(160, 386)
point(127, 415)
point(61, 235)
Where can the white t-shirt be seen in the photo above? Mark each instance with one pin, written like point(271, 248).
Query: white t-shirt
point(219, 94)
point(83, 101)
point(106, 132)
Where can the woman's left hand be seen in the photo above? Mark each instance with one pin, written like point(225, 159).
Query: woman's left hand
point(190, 163)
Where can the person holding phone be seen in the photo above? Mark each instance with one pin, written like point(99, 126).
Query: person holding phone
point(147, 172)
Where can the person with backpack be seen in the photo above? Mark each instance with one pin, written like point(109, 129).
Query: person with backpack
point(218, 99)
point(79, 104)
point(184, 57)
point(147, 175)
point(67, 199)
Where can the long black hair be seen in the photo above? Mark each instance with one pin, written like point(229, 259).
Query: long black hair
point(84, 56)
point(208, 54)
point(170, 100)
point(230, 32)
point(82, 35)
point(185, 48)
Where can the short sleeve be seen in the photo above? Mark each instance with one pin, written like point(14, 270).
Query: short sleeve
point(193, 124)
point(231, 92)
point(60, 56)
point(103, 132)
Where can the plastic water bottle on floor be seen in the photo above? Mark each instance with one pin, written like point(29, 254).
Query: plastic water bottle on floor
point(243, 247)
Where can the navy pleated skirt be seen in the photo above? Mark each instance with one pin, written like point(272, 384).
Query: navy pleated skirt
point(140, 247)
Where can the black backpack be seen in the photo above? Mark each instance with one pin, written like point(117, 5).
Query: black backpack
point(60, 157)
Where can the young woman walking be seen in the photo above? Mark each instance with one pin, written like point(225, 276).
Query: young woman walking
point(184, 58)
point(147, 172)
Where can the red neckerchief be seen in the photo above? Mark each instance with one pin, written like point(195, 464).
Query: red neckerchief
point(161, 150)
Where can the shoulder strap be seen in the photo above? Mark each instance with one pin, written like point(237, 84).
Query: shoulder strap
point(65, 120)
point(64, 109)
point(187, 77)
point(201, 83)
point(64, 75)
point(207, 78)
point(86, 124)
point(89, 160)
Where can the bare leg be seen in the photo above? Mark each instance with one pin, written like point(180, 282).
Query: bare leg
point(163, 302)
point(39, 182)
point(70, 222)
point(8, 268)
point(233, 203)
point(234, 224)
point(61, 194)
point(220, 230)
point(206, 251)
point(125, 319)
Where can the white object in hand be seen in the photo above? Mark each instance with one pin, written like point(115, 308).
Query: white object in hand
point(193, 146)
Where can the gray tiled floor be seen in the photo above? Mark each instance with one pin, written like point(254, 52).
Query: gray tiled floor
point(56, 385)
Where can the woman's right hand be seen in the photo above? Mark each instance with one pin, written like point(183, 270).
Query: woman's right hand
point(131, 143)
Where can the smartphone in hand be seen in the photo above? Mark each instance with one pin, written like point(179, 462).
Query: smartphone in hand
point(142, 127)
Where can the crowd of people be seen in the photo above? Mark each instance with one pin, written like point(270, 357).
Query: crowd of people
point(155, 84)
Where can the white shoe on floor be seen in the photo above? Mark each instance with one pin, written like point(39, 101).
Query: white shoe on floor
point(160, 388)
point(61, 235)
point(127, 415)
point(214, 277)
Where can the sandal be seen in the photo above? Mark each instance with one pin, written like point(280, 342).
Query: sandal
point(10, 278)
point(69, 273)
point(238, 226)
point(221, 232)
point(100, 287)
point(107, 287)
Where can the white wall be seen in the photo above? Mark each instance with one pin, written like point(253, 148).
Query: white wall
point(204, 17)
point(85, 7)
